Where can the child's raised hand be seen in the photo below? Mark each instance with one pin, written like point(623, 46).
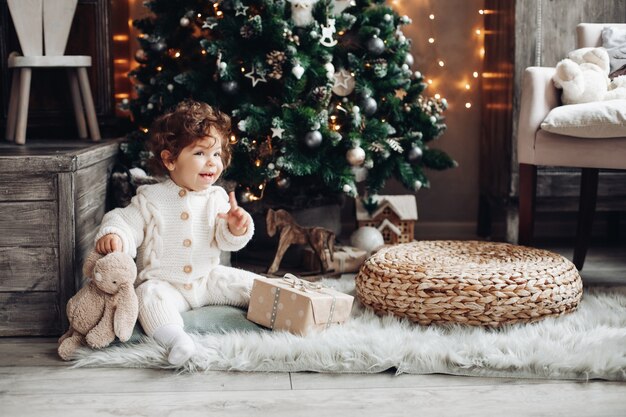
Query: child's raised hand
point(109, 243)
point(237, 218)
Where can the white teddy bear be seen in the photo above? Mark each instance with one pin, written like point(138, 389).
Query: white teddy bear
point(584, 77)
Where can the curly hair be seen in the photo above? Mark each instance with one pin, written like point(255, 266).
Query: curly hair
point(188, 122)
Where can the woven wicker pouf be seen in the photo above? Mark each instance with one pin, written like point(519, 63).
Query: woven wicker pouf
point(469, 282)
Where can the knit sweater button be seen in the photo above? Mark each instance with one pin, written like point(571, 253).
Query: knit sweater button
point(187, 269)
point(184, 215)
point(187, 243)
point(182, 193)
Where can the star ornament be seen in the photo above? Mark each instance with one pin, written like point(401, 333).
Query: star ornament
point(209, 23)
point(277, 132)
point(256, 76)
point(400, 93)
point(341, 78)
point(241, 10)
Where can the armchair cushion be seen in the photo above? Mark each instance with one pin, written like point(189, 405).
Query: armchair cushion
point(600, 119)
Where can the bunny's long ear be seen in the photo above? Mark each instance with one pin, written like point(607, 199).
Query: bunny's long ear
point(90, 263)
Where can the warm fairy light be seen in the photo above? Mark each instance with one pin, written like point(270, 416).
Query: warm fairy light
point(203, 52)
point(258, 164)
point(177, 54)
point(243, 69)
point(481, 12)
point(468, 105)
point(333, 118)
point(475, 74)
point(199, 15)
point(478, 32)
point(122, 95)
point(441, 63)
point(430, 81)
point(431, 17)
point(437, 96)
point(260, 186)
point(159, 68)
point(482, 52)
point(144, 129)
point(233, 139)
point(120, 61)
point(337, 127)
point(341, 33)
point(467, 86)
point(254, 141)
point(219, 13)
point(120, 38)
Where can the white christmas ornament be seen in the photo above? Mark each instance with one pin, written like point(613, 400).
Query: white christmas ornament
point(298, 71)
point(302, 12)
point(330, 70)
point(367, 238)
point(340, 5)
point(170, 87)
point(327, 34)
point(355, 156)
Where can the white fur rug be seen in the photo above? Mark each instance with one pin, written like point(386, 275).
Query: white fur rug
point(589, 343)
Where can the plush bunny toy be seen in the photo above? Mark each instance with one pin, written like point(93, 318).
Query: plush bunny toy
point(104, 308)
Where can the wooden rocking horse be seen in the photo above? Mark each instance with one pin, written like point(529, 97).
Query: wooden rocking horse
point(292, 233)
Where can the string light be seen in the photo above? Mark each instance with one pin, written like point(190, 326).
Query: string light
point(463, 85)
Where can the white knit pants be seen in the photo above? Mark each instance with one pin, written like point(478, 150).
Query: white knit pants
point(161, 302)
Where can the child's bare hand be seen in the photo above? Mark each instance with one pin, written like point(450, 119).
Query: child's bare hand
point(109, 243)
point(237, 218)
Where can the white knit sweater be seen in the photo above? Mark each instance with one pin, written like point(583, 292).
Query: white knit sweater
point(175, 234)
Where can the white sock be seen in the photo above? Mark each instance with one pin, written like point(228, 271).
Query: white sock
point(180, 343)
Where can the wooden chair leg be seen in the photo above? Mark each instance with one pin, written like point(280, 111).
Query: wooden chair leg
point(90, 110)
point(587, 208)
point(527, 195)
point(13, 103)
point(22, 108)
point(77, 102)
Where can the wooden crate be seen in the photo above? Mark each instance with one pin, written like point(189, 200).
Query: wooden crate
point(52, 198)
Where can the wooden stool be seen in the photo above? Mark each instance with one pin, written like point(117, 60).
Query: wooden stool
point(39, 23)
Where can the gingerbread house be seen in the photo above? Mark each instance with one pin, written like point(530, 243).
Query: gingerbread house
point(395, 217)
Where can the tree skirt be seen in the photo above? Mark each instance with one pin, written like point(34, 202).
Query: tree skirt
point(589, 343)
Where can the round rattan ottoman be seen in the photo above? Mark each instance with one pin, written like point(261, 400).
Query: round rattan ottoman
point(469, 282)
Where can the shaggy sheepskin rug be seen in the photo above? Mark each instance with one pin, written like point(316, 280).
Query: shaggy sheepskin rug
point(589, 343)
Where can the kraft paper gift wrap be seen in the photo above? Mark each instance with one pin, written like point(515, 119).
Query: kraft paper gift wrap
point(346, 259)
point(296, 305)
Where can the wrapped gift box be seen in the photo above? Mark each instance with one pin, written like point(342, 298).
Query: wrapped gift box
point(346, 259)
point(296, 305)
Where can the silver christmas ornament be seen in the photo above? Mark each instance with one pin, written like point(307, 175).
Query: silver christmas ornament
point(170, 87)
point(368, 106)
point(409, 60)
point(415, 154)
point(230, 87)
point(313, 139)
point(375, 46)
point(283, 183)
point(184, 21)
point(159, 46)
point(355, 156)
point(141, 56)
point(367, 238)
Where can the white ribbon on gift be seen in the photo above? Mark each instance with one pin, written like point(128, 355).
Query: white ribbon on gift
point(304, 286)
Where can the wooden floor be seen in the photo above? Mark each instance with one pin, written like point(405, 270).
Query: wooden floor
point(34, 382)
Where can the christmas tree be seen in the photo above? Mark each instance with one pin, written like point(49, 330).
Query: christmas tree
point(321, 92)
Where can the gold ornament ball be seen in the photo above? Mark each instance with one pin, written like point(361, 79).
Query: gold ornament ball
point(356, 156)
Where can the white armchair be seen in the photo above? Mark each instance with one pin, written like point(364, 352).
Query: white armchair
point(537, 147)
